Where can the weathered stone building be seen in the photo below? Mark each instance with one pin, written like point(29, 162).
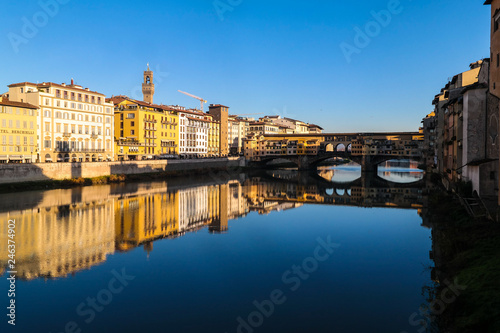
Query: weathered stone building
point(462, 133)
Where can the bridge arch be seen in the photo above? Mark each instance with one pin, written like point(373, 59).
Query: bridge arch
point(343, 147)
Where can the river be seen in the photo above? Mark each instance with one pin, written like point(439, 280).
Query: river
point(274, 251)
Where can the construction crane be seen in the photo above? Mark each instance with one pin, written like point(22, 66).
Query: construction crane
point(202, 101)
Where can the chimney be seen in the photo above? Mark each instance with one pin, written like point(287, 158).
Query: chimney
point(72, 82)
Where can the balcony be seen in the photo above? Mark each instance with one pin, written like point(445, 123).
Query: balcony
point(66, 135)
point(94, 136)
point(78, 150)
point(128, 143)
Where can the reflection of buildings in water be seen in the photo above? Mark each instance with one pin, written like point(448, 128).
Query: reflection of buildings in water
point(56, 241)
point(257, 193)
point(141, 219)
point(194, 210)
point(73, 230)
point(326, 173)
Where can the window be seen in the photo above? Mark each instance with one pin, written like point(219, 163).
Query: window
point(130, 116)
point(47, 144)
point(132, 132)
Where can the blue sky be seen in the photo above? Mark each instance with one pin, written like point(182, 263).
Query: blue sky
point(270, 57)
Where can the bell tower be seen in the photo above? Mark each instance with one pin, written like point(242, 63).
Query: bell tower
point(148, 87)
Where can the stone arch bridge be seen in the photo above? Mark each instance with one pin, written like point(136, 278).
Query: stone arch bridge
point(308, 150)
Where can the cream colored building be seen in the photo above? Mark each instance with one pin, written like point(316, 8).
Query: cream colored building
point(194, 129)
point(74, 123)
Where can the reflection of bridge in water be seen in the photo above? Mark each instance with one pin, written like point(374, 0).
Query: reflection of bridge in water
point(369, 190)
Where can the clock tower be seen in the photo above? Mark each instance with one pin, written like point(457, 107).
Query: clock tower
point(148, 88)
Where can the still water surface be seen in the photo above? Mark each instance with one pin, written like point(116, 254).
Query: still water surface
point(205, 255)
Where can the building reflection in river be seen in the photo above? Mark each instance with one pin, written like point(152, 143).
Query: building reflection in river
point(62, 232)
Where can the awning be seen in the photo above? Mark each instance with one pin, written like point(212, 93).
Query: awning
point(15, 157)
point(3, 158)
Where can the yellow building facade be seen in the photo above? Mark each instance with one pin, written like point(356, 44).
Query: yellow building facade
point(213, 137)
point(286, 145)
point(144, 131)
point(18, 123)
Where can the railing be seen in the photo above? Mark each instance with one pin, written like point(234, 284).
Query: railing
point(66, 135)
point(94, 136)
point(128, 143)
point(79, 150)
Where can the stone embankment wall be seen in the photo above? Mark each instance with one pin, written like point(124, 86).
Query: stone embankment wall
point(19, 173)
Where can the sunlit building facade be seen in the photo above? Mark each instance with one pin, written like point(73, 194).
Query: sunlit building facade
point(75, 124)
point(144, 131)
point(18, 132)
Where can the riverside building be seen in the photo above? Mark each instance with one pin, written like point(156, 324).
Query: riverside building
point(18, 132)
point(194, 129)
point(74, 124)
point(144, 131)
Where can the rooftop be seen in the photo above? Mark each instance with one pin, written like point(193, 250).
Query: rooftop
point(51, 84)
point(4, 101)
